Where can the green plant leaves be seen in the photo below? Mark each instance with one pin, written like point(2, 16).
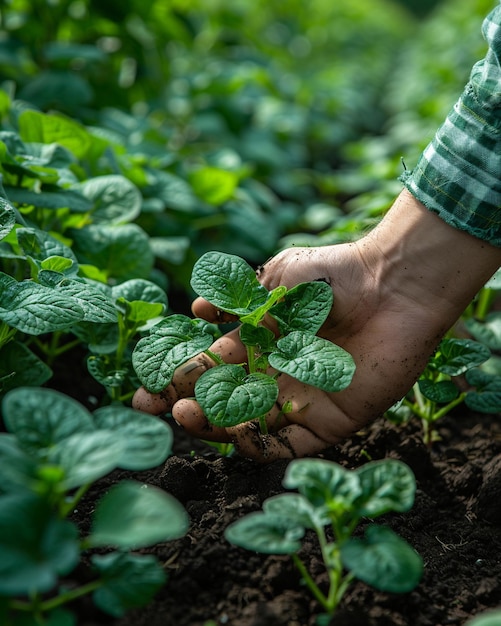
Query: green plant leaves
point(34, 554)
point(7, 218)
point(266, 532)
point(147, 515)
point(387, 485)
point(229, 283)
point(486, 398)
point(59, 433)
point(41, 418)
point(323, 483)
point(305, 307)
point(128, 581)
point(383, 559)
point(229, 396)
point(171, 343)
point(34, 309)
point(114, 199)
point(369, 491)
point(146, 441)
point(456, 356)
point(314, 361)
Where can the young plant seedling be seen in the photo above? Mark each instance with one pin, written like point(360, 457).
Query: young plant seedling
point(231, 394)
point(52, 452)
point(331, 502)
point(435, 393)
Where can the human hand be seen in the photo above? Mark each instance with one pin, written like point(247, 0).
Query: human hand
point(392, 305)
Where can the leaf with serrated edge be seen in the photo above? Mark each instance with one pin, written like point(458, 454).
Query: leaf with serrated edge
point(314, 361)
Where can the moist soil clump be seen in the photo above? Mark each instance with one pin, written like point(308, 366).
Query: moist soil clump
point(455, 525)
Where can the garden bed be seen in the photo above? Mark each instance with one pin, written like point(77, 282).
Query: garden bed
point(455, 525)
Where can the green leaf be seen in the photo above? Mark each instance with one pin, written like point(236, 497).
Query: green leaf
point(7, 218)
point(122, 250)
point(324, 483)
point(104, 370)
point(36, 546)
point(146, 440)
point(35, 309)
point(384, 560)
point(487, 331)
point(47, 199)
point(228, 282)
point(140, 312)
point(86, 456)
point(114, 199)
point(129, 581)
point(41, 245)
point(267, 533)
point(18, 467)
point(41, 417)
point(171, 342)
point(305, 307)
point(19, 366)
point(387, 485)
point(58, 263)
point(298, 509)
point(229, 396)
point(456, 356)
point(44, 128)
point(139, 289)
point(314, 361)
point(443, 391)
point(488, 618)
point(97, 306)
point(133, 515)
point(213, 185)
point(486, 398)
point(258, 336)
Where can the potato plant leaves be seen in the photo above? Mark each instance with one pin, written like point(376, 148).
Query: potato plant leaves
point(268, 533)
point(128, 581)
point(313, 360)
point(171, 343)
point(383, 559)
point(305, 307)
point(34, 554)
point(229, 396)
point(229, 283)
point(148, 515)
point(330, 495)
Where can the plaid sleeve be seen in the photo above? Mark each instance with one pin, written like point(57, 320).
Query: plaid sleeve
point(458, 176)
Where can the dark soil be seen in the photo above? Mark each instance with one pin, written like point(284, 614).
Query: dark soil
point(455, 525)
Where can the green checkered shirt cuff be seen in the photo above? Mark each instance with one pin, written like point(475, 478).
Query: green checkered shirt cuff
point(458, 176)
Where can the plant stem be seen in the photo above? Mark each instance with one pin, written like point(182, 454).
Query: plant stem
point(53, 603)
point(310, 583)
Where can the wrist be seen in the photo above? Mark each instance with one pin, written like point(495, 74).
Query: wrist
point(413, 254)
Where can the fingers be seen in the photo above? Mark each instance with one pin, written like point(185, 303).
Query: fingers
point(293, 441)
point(207, 311)
point(182, 386)
point(189, 415)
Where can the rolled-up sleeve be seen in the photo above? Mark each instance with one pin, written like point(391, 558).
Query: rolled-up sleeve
point(458, 176)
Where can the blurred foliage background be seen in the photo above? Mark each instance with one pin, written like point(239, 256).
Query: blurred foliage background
point(245, 126)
